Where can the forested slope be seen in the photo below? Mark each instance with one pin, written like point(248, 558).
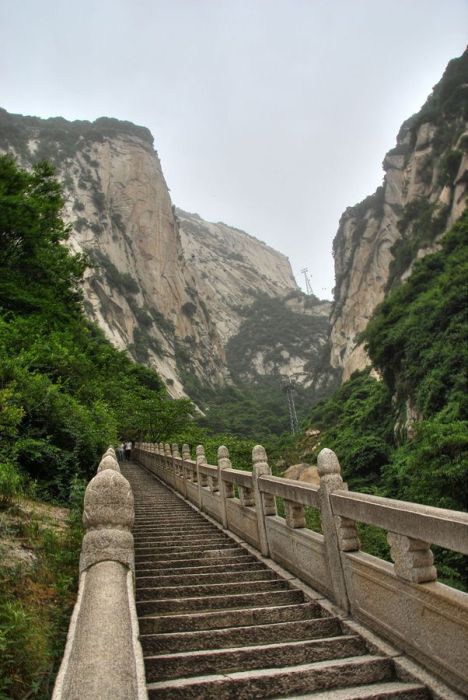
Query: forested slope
point(65, 392)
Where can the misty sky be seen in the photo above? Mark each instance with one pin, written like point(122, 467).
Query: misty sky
point(270, 115)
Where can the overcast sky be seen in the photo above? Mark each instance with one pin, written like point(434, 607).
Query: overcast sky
point(270, 115)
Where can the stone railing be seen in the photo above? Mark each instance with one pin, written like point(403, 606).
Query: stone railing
point(403, 601)
point(103, 657)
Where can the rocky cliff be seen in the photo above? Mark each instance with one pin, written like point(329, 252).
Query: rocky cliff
point(423, 192)
point(164, 285)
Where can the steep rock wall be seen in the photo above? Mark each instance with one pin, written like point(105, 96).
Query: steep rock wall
point(168, 287)
point(424, 191)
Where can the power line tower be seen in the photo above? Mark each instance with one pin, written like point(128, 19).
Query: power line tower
point(305, 272)
point(288, 388)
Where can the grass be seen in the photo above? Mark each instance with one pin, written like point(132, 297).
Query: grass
point(39, 551)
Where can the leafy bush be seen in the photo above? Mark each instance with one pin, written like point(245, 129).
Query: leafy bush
point(189, 309)
point(10, 483)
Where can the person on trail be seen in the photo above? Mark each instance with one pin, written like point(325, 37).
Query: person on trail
point(121, 452)
point(128, 450)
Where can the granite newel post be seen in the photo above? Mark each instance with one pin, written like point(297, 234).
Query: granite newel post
point(202, 481)
point(186, 456)
point(103, 657)
point(264, 504)
point(226, 490)
point(338, 535)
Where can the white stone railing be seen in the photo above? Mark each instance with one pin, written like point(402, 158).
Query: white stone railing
point(103, 657)
point(402, 601)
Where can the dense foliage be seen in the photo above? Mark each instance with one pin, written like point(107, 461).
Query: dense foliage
point(417, 339)
point(65, 392)
point(406, 436)
point(37, 592)
point(274, 329)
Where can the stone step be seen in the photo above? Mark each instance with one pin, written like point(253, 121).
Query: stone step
point(170, 541)
point(211, 577)
point(210, 589)
point(159, 521)
point(244, 563)
point(375, 691)
point(187, 551)
point(214, 559)
point(194, 663)
point(183, 549)
point(226, 637)
point(274, 682)
point(219, 619)
point(240, 600)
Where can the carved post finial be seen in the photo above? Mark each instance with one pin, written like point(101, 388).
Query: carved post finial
point(108, 462)
point(108, 517)
point(327, 463)
point(185, 451)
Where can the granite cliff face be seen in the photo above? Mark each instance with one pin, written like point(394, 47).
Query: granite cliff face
point(165, 285)
point(423, 192)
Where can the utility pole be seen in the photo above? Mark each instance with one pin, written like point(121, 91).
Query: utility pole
point(288, 388)
point(305, 272)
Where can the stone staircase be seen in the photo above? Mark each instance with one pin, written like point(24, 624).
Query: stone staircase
point(218, 622)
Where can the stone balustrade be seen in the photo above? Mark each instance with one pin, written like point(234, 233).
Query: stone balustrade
point(403, 601)
point(103, 657)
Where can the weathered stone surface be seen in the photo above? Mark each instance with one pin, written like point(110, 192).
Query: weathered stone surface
point(108, 501)
point(413, 559)
point(108, 462)
point(102, 660)
point(367, 232)
point(107, 544)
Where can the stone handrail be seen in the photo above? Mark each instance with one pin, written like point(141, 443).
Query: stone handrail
point(403, 601)
point(446, 528)
point(103, 657)
point(298, 492)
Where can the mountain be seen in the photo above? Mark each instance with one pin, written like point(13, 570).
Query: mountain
point(172, 289)
point(423, 193)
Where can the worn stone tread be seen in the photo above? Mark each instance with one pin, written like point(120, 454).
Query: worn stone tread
point(264, 598)
point(216, 619)
point(269, 682)
point(373, 691)
point(210, 589)
point(211, 568)
point(190, 663)
point(212, 577)
point(226, 637)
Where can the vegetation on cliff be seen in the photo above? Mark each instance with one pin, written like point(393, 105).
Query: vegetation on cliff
point(276, 333)
point(65, 392)
point(406, 435)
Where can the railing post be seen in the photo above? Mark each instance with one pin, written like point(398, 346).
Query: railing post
point(225, 490)
point(201, 459)
point(175, 465)
point(334, 531)
point(103, 657)
point(185, 456)
point(264, 503)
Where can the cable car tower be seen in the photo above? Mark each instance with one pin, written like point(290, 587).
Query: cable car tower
point(288, 388)
point(305, 272)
